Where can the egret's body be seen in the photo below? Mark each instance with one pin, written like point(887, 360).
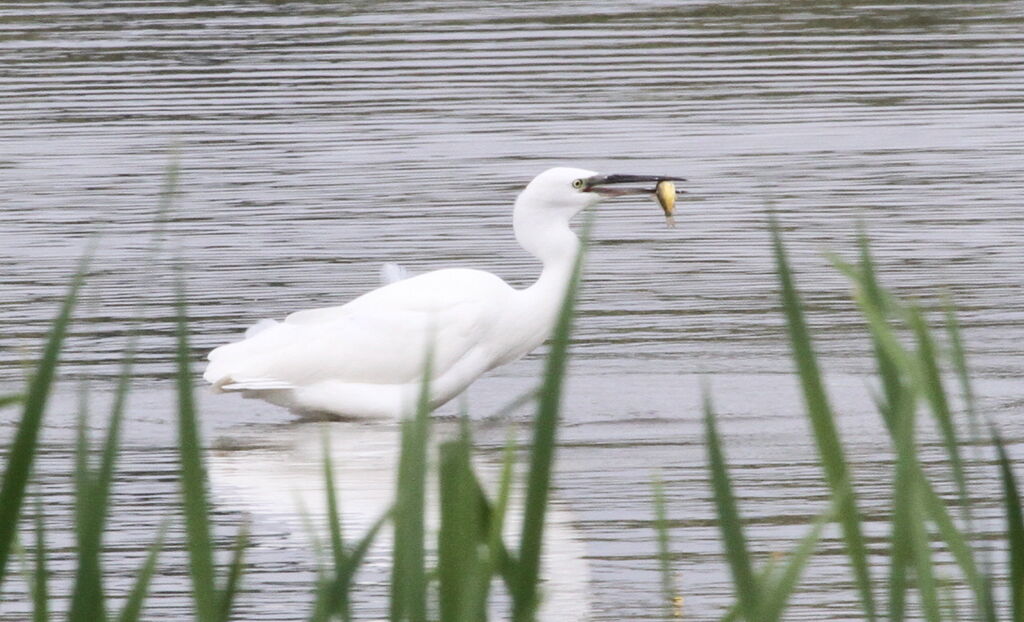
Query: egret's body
point(366, 358)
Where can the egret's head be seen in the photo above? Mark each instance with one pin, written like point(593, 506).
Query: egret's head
point(570, 190)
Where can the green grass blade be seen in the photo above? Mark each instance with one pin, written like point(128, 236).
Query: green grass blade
point(22, 450)
point(92, 501)
point(111, 448)
point(498, 560)
point(234, 577)
point(778, 586)
point(11, 400)
point(748, 592)
point(888, 369)
point(909, 514)
point(985, 597)
point(333, 514)
point(358, 552)
point(132, 609)
point(193, 481)
point(959, 357)
point(935, 395)
point(336, 589)
point(459, 566)
point(336, 598)
point(1014, 530)
point(927, 586)
point(545, 428)
point(901, 552)
point(40, 583)
point(959, 547)
point(905, 377)
point(668, 589)
point(408, 574)
point(87, 599)
point(830, 449)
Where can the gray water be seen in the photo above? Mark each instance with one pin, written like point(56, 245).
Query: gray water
point(318, 141)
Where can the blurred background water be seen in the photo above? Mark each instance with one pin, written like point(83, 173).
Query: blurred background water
point(318, 140)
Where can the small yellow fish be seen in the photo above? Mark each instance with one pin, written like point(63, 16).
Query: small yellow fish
point(666, 193)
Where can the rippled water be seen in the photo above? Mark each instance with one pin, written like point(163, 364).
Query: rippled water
point(318, 141)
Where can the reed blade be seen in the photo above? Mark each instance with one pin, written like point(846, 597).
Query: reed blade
point(336, 600)
point(779, 586)
point(22, 451)
point(830, 449)
point(545, 430)
point(748, 591)
point(193, 481)
point(935, 394)
point(40, 577)
point(357, 554)
point(408, 574)
point(668, 589)
point(958, 355)
point(233, 580)
point(132, 609)
point(1014, 529)
point(461, 536)
point(87, 599)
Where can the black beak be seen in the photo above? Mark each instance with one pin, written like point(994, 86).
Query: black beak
point(618, 185)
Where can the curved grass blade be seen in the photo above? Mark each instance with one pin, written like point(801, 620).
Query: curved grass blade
point(902, 543)
point(40, 583)
point(525, 594)
point(408, 575)
point(668, 589)
point(331, 591)
point(461, 582)
point(748, 591)
point(498, 560)
point(132, 610)
point(959, 358)
point(909, 514)
point(234, 577)
point(935, 394)
point(358, 552)
point(87, 599)
point(905, 378)
point(337, 601)
point(1014, 530)
point(193, 481)
point(779, 585)
point(830, 449)
point(22, 451)
point(92, 501)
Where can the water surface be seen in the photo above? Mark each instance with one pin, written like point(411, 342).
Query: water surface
point(318, 141)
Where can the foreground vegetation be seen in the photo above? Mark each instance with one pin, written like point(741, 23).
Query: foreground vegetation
point(457, 584)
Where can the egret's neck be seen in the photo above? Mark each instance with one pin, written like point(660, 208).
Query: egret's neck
point(543, 230)
point(545, 234)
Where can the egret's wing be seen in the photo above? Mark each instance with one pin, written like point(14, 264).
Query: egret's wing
point(380, 338)
point(259, 327)
point(431, 292)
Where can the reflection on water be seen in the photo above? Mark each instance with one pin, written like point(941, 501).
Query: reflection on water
point(319, 141)
point(285, 484)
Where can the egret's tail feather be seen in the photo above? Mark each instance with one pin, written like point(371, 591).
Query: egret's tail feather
point(392, 273)
point(253, 384)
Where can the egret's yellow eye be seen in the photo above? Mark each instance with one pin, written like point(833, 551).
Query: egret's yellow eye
point(578, 184)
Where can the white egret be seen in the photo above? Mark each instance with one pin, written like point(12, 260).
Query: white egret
point(366, 358)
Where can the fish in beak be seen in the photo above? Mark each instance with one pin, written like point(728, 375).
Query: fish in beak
point(662, 187)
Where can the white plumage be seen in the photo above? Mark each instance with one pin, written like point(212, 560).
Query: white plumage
point(366, 358)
